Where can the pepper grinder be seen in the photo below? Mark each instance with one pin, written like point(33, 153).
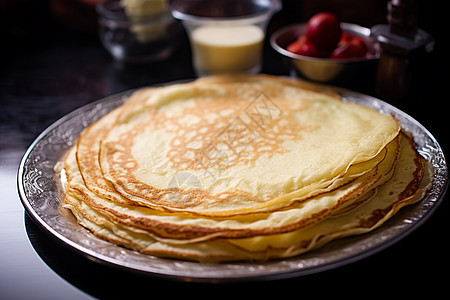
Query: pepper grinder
point(403, 48)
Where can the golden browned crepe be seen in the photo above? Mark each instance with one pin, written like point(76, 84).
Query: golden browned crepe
point(240, 168)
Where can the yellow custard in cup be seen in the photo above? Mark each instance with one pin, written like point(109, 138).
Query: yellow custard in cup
point(231, 49)
point(225, 36)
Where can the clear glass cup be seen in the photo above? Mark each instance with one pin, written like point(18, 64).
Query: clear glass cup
point(226, 36)
point(137, 34)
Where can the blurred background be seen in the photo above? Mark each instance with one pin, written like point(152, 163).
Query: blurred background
point(26, 19)
point(27, 26)
point(51, 50)
point(46, 19)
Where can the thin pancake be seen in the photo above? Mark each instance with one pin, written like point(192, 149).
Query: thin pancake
point(185, 227)
point(305, 139)
point(409, 183)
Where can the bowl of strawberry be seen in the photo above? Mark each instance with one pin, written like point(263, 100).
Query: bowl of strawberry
point(327, 50)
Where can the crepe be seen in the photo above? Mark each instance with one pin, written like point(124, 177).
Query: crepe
point(188, 228)
point(239, 168)
point(217, 130)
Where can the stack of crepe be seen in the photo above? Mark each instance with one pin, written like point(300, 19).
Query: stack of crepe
point(230, 168)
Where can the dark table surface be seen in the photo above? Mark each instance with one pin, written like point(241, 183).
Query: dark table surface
point(45, 77)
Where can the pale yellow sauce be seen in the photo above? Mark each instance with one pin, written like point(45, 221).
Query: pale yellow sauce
point(227, 49)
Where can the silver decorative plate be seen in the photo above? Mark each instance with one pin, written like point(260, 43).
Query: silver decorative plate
point(40, 192)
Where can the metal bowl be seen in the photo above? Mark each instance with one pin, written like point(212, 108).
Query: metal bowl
point(327, 69)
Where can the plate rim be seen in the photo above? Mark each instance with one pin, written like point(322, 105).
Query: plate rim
point(119, 98)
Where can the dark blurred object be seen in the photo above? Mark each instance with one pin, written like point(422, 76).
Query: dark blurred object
point(403, 17)
point(78, 15)
point(41, 20)
point(365, 13)
point(403, 52)
point(22, 19)
point(218, 8)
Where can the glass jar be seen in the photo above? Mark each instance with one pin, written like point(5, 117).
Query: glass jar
point(226, 36)
point(135, 36)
